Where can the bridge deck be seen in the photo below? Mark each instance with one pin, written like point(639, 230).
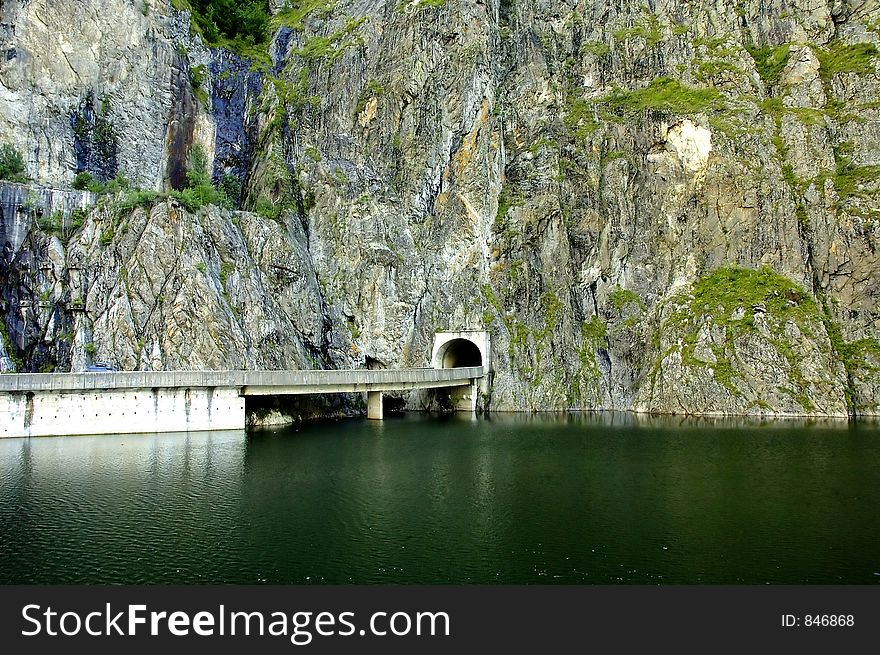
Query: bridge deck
point(250, 383)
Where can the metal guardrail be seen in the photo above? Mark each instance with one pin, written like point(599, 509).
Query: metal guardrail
point(354, 380)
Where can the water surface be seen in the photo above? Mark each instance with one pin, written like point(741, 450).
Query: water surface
point(576, 499)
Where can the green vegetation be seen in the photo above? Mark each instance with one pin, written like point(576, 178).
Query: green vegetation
point(648, 28)
point(119, 193)
point(199, 191)
point(621, 297)
point(856, 354)
point(12, 164)
point(85, 181)
point(663, 94)
point(136, 198)
point(585, 383)
point(419, 5)
point(716, 68)
point(580, 117)
point(122, 196)
point(53, 223)
point(226, 269)
point(295, 13)
point(50, 223)
point(724, 290)
point(197, 75)
point(729, 298)
point(268, 209)
point(332, 47)
point(850, 180)
point(770, 61)
point(107, 236)
point(594, 330)
point(230, 187)
point(506, 200)
point(77, 218)
point(596, 48)
point(9, 346)
point(229, 22)
point(372, 90)
point(840, 58)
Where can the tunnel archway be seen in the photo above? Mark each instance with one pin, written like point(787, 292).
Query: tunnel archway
point(464, 348)
point(459, 353)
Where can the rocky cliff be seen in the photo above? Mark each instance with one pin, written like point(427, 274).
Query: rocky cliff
point(658, 206)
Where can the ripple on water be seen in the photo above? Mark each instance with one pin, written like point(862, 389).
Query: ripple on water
point(428, 501)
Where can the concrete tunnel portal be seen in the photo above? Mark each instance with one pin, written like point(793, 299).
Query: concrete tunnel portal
point(459, 353)
point(462, 349)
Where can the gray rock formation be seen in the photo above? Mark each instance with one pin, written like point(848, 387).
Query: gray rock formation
point(669, 210)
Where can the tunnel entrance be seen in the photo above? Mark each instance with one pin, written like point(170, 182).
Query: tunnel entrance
point(462, 349)
point(459, 353)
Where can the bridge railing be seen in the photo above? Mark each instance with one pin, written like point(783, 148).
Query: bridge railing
point(23, 382)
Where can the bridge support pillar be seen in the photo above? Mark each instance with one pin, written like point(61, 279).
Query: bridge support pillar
point(374, 406)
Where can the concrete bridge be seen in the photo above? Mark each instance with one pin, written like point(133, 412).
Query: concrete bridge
point(45, 404)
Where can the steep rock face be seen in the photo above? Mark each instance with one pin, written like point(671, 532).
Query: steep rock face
point(164, 289)
point(100, 86)
point(670, 208)
point(68, 64)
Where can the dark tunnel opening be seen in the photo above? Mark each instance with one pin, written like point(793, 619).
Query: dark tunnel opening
point(459, 353)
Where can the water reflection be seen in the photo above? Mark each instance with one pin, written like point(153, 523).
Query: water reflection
point(595, 498)
point(115, 508)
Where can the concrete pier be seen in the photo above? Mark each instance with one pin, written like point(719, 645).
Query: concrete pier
point(374, 406)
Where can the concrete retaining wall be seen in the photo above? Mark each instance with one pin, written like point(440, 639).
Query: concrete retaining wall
point(49, 413)
point(44, 404)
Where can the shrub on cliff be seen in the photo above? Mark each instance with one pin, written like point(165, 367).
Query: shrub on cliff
point(85, 181)
point(12, 164)
point(199, 190)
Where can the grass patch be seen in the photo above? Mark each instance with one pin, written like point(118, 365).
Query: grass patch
point(332, 47)
point(649, 29)
point(580, 117)
point(372, 90)
point(850, 180)
point(729, 298)
point(85, 181)
point(296, 12)
point(506, 200)
point(197, 75)
point(663, 94)
point(594, 330)
point(621, 297)
point(419, 5)
point(136, 198)
point(726, 289)
point(839, 58)
point(268, 209)
point(107, 236)
point(770, 61)
point(596, 48)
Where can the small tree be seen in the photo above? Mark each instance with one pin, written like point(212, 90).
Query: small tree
point(85, 181)
point(199, 190)
point(197, 175)
point(11, 164)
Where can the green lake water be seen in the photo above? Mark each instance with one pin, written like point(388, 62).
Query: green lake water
point(511, 499)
